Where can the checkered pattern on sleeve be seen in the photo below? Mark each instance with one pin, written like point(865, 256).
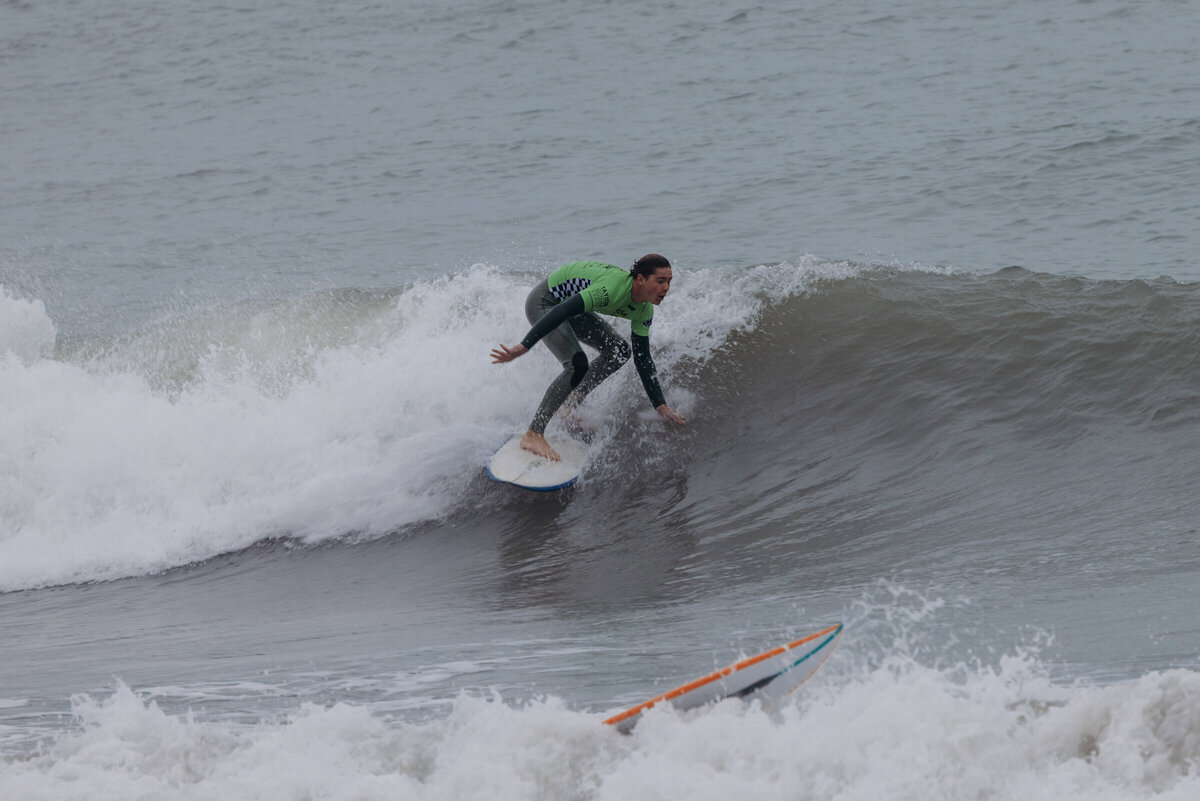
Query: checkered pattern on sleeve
point(572, 286)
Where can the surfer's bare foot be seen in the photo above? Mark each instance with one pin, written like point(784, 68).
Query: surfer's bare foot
point(536, 443)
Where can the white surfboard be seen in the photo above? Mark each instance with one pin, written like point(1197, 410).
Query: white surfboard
point(515, 465)
point(766, 678)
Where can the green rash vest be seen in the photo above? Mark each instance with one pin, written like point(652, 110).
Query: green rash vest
point(605, 288)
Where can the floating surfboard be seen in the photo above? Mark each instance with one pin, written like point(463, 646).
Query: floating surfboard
point(765, 678)
point(515, 465)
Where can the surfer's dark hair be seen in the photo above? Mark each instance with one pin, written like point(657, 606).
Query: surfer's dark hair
point(647, 264)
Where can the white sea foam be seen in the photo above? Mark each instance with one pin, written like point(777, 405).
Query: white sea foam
point(26, 332)
point(899, 730)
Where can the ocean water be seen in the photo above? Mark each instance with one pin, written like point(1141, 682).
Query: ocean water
point(935, 325)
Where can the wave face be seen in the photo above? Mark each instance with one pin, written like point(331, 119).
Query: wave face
point(830, 404)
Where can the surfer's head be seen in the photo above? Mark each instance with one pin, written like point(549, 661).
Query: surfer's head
point(647, 264)
point(651, 278)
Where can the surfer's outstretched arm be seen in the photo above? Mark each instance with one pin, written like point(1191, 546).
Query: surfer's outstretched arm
point(550, 320)
point(649, 375)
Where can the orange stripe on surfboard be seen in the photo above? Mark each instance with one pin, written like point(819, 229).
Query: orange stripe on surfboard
point(720, 674)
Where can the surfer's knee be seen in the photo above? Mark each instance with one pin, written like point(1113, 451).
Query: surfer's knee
point(579, 363)
point(621, 352)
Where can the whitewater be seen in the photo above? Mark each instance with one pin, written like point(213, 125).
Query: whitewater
point(901, 725)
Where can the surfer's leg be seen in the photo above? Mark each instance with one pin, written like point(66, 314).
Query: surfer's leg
point(565, 346)
point(614, 351)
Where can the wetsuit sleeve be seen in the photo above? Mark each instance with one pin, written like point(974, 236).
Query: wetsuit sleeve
point(553, 319)
point(646, 369)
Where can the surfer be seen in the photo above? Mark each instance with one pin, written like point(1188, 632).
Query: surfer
point(563, 309)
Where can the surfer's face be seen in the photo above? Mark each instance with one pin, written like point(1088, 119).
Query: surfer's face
point(653, 287)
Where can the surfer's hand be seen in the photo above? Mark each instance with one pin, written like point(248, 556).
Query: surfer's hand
point(503, 354)
point(667, 413)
